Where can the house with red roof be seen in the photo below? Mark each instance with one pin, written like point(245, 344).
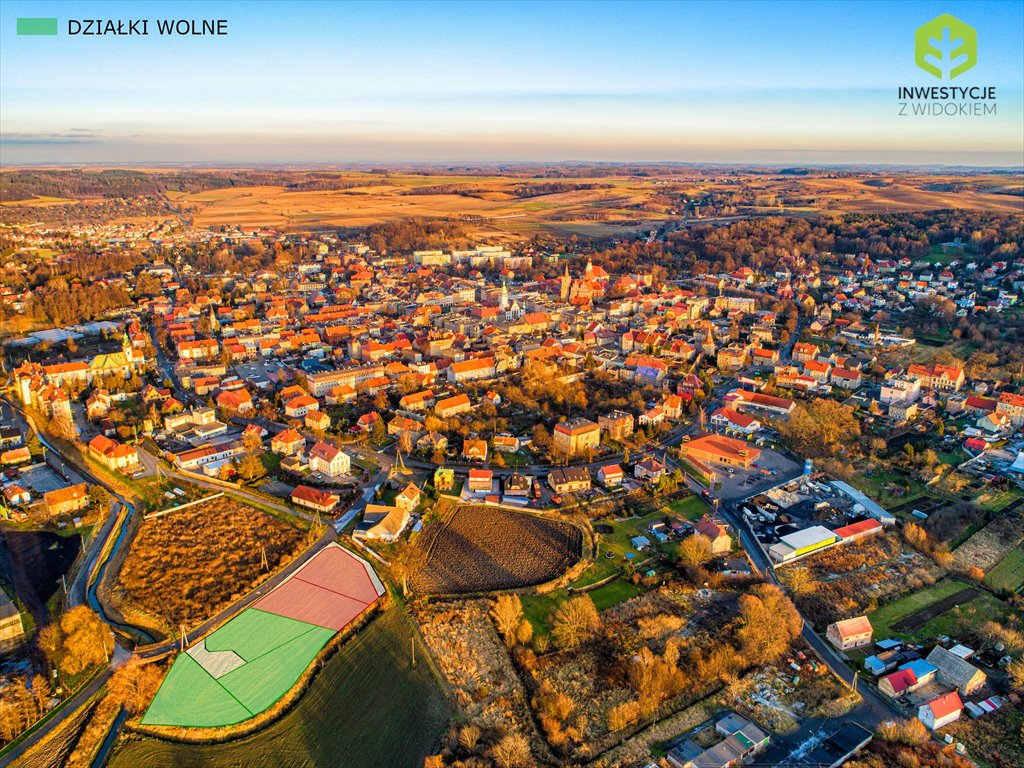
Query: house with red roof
point(942, 711)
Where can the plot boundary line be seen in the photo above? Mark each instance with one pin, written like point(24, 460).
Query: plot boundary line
point(333, 591)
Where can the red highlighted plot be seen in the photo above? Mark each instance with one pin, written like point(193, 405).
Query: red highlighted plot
point(330, 591)
point(338, 570)
point(297, 599)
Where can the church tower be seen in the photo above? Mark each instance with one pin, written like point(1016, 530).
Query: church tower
point(566, 284)
point(503, 298)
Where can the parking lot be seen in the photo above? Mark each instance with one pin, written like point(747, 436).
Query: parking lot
point(772, 468)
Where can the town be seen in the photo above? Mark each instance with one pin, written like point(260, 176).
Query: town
point(726, 487)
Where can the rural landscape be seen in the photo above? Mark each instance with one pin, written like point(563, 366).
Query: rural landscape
point(512, 385)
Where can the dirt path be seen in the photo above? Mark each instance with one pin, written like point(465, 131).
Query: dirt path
point(922, 617)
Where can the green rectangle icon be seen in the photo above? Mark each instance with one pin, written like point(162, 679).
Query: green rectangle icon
point(37, 26)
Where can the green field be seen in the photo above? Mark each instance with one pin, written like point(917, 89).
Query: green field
point(953, 622)
point(367, 707)
point(1008, 573)
point(690, 508)
point(276, 651)
point(890, 613)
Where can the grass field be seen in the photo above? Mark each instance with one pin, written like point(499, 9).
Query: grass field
point(890, 613)
point(954, 622)
point(1009, 572)
point(367, 707)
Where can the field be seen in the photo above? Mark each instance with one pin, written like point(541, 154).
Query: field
point(480, 549)
point(607, 206)
point(183, 567)
point(932, 612)
point(244, 667)
point(1008, 573)
point(368, 706)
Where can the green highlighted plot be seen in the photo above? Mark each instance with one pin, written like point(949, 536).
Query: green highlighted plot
point(264, 680)
point(189, 696)
point(248, 664)
point(276, 651)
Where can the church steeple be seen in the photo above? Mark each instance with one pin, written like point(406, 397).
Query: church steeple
point(566, 284)
point(503, 298)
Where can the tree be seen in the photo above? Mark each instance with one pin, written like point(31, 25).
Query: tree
point(98, 496)
point(524, 632)
point(575, 622)
point(623, 715)
point(378, 433)
point(1015, 670)
point(513, 751)
point(770, 623)
point(408, 560)
point(506, 612)
point(800, 581)
point(694, 550)
point(88, 641)
point(135, 684)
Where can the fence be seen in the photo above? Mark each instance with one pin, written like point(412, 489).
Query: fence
point(151, 515)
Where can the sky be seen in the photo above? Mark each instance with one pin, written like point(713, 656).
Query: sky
point(447, 82)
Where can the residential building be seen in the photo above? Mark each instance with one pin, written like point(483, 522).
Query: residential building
point(112, 454)
point(315, 498)
point(518, 485)
point(849, 633)
point(576, 437)
point(942, 711)
point(65, 500)
point(382, 523)
point(287, 442)
point(717, 531)
point(610, 476)
point(480, 481)
point(408, 498)
point(452, 406)
point(569, 479)
point(618, 425)
point(329, 460)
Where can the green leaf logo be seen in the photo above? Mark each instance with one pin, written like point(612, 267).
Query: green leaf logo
point(945, 47)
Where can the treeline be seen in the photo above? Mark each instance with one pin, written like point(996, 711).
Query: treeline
point(328, 182)
point(553, 188)
point(114, 183)
point(414, 234)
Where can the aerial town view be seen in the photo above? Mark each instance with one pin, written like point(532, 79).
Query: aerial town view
point(499, 385)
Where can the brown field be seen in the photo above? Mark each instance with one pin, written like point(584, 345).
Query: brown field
point(187, 565)
point(991, 544)
point(617, 206)
point(479, 549)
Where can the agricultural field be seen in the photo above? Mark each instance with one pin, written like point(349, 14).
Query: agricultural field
point(400, 716)
point(185, 566)
point(1008, 573)
point(244, 667)
point(611, 206)
point(479, 549)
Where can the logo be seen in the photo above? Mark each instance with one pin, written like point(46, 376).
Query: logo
point(945, 47)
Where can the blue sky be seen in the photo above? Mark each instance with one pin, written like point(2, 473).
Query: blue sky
point(785, 82)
